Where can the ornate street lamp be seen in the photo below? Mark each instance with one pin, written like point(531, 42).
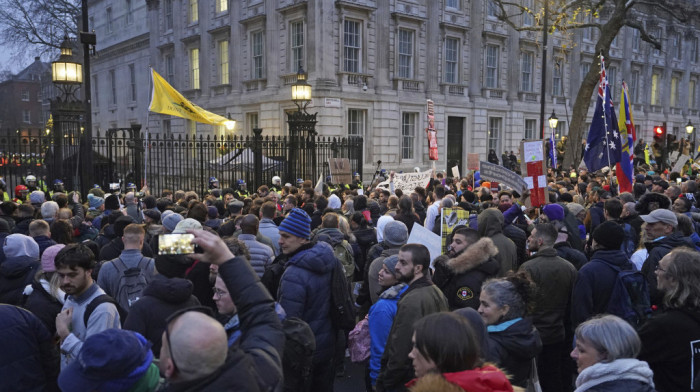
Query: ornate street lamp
point(230, 124)
point(689, 128)
point(301, 91)
point(553, 121)
point(67, 73)
point(302, 129)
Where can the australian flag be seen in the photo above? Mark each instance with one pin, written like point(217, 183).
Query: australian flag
point(603, 147)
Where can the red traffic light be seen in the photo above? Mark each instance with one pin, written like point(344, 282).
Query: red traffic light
point(659, 130)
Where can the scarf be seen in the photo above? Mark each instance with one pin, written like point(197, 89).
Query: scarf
point(621, 369)
point(149, 381)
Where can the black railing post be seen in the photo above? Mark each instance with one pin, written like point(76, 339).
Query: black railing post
point(257, 158)
point(138, 154)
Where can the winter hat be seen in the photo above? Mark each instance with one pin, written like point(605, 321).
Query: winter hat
point(47, 258)
point(212, 212)
point(171, 220)
point(18, 245)
point(95, 201)
point(187, 224)
point(153, 214)
point(554, 212)
point(166, 213)
point(112, 202)
point(297, 223)
point(121, 223)
point(574, 208)
point(390, 263)
point(173, 266)
point(381, 224)
point(609, 235)
point(334, 202)
point(37, 197)
point(395, 233)
point(112, 360)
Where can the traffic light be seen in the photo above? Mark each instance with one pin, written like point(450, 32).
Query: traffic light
point(659, 131)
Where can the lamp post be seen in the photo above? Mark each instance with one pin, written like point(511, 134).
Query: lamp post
point(689, 128)
point(553, 122)
point(302, 129)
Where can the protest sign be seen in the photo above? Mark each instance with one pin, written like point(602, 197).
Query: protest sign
point(407, 182)
point(534, 167)
point(681, 162)
point(423, 236)
point(455, 172)
point(432, 132)
point(492, 172)
point(340, 170)
point(472, 161)
point(449, 219)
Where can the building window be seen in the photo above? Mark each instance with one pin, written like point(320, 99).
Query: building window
point(674, 91)
point(352, 45)
point(166, 128)
point(492, 66)
point(110, 22)
point(491, 9)
point(557, 80)
point(356, 122)
point(676, 45)
point(194, 68)
point(588, 33)
point(633, 86)
point(95, 91)
point(691, 94)
point(656, 33)
point(169, 68)
point(452, 4)
point(26, 116)
point(585, 68)
point(112, 88)
point(25, 95)
point(405, 54)
point(495, 124)
point(408, 132)
point(297, 45)
point(635, 40)
point(221, 6)
point(561, 130)
point(612, 81)
point(168, 14)
point(451, 56)
point(694, 50)
point(528, 17)
point(531, 129)
point(257, 50)
point(654, 89)
point(194, 11)
point(526, 62)
point(223, 62)
point(132, 79)
point(252, 120)
point(129, 13)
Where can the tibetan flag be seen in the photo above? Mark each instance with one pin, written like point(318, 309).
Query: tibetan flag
point(166, 100)
point(603, 145)
point(625, 168)
point(553, 150)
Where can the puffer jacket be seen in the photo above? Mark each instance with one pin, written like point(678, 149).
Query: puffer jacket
point(657, 250)
point(484, 379)
point(305, 290)
point(44, 305)
point(161, 298)
point(381, 317)
point(490, 224)
point(515, 345)
point(15, 274)
point(261, 255)
point(460, 278)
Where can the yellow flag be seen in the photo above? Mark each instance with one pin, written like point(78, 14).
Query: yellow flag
point(166, 100)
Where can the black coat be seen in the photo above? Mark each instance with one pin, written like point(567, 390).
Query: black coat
point(22, 225)
point(515, 347)
point(366, 238)
point(657, 250)
point(519, 238)
point(161, 298)
point(15, 274)
point(573, 256)
point(44, 306)
point(29, 359)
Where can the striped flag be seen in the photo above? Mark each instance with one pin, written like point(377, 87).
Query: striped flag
point(625, 168)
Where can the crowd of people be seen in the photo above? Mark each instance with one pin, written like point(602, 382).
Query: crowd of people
point(595, 291)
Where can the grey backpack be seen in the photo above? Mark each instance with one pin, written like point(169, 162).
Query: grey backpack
point(132, 281)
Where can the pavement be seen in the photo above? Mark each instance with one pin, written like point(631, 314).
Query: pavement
point(353, 380)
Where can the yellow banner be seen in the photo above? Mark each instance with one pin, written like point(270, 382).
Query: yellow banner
point(166, 100)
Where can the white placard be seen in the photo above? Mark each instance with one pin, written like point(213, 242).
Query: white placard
point(407, 182)
point(533, 151)
point(529, 181)
point(423, 236)
point(542, 181)
point(455, 172)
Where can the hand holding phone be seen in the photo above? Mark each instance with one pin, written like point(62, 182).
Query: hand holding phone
point(175, 244)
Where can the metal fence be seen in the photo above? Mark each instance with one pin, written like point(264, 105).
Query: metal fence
point(172, 162)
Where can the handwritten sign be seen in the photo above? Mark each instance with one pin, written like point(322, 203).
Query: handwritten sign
point(421, 235)
point(682, 160)
point(533, 151)
point(472, 161)
point(492, 172)
point(340, 170)
point(407, 182)
point(455, 172)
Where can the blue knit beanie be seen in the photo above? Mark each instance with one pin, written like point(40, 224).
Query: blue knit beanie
point(297, 223)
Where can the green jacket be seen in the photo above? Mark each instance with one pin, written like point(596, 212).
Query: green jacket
point(421, 299)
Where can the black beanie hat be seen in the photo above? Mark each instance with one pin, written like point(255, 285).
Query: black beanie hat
point(112, 202)
point(609, 235)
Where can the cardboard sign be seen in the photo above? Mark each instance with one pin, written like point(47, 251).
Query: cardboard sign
point(492, 172)
point(472, 161)
point(423, 236)
point(681, 162)
point(341, 171)
point(407, 182)
point(455, 172)
point(449, 219)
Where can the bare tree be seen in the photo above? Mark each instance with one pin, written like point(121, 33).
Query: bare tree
point(608, 16)
point(37, 26)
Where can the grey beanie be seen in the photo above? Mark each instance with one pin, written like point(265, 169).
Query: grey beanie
point(390, 263)
point(395, 233)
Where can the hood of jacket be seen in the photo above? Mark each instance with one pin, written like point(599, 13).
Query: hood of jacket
point(330, 235)
point(671, 241)
point(14, 267)
point(365, 236)
point(490, 222)
point(615, 257)
point(171, 290)
point(521, 338)
point(318, 259)
point(473, 256)
point(485, 379)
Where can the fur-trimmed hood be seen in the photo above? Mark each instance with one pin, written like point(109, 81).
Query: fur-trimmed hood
point(475, 255)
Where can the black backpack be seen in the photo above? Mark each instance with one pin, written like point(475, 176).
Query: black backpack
point(342, 306)
point(99, 300)
point(628, 245)
point(629, 298)
point(297, 357)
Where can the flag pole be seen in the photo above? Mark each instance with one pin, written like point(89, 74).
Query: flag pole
point(605, 120)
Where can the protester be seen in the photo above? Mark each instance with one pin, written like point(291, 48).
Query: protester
point(18, 270)
point(43, 296)
point(605, 352)
point(261, 255)
point(490, 224)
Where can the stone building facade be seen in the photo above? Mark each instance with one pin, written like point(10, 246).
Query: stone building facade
point(372, 66)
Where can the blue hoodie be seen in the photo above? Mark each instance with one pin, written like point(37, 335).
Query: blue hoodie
point(381, 317)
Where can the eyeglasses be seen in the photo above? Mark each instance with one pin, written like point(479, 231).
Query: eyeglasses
point(170, 319)
point(220, 293)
